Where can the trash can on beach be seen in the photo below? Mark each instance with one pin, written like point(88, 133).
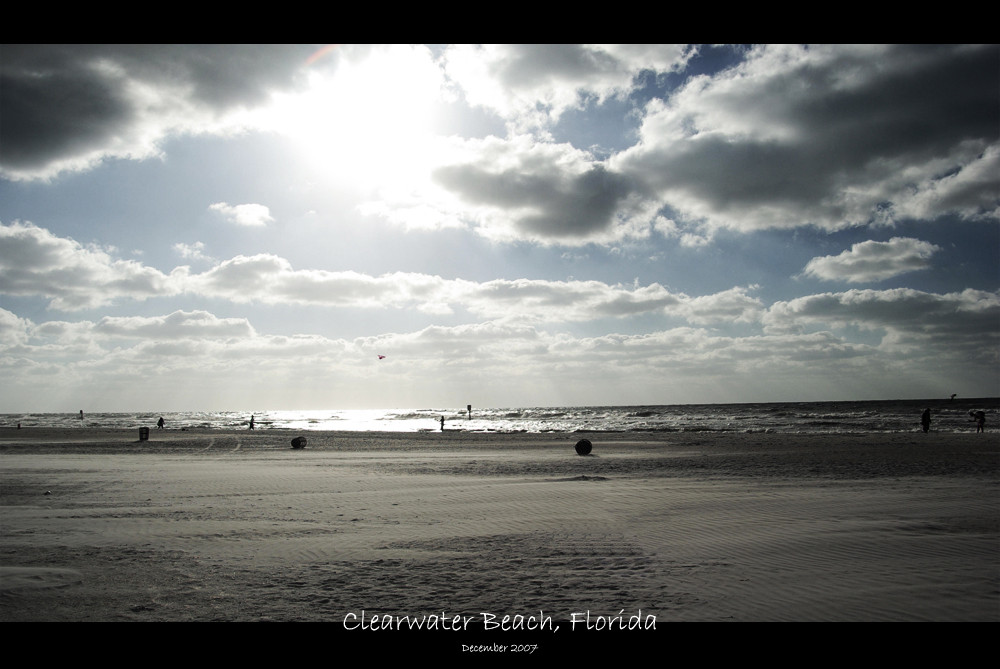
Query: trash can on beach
point(143, 434)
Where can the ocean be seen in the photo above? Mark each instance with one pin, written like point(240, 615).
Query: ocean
point(870, 416)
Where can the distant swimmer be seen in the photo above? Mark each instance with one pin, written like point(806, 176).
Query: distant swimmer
point(980, 418)
point(925, 419)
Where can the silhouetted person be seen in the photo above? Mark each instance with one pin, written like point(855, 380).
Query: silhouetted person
point(442, 423)
point(980, 418)
point(81, 414)
point(925, 419)
point(251, 421)
point(159, 423)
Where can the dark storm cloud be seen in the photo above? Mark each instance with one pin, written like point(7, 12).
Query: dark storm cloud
point(61, 102)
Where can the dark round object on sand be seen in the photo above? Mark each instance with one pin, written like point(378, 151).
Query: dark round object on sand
point(299, 442)
point(583, 447)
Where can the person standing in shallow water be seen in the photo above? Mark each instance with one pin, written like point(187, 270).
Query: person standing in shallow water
point(251, 421)
point(980, 418)
point(159, 423)
point(925, 419)
point(442, 423)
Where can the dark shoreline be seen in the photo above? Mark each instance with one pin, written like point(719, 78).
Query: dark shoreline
point(759, 455)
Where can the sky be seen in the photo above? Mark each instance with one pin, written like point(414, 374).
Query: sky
point(250, 227)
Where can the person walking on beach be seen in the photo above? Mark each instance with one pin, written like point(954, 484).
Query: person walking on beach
point(442, 423)
point(980, 418)
point(159, 423)
point(251, 421)
point(925, 419)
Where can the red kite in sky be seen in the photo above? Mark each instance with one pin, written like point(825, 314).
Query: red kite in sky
point(380, 357)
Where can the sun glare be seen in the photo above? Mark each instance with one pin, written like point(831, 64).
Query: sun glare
point(367, 121)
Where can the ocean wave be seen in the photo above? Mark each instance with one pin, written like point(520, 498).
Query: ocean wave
point(794, 417)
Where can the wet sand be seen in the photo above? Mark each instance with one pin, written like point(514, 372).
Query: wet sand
point(238, 526)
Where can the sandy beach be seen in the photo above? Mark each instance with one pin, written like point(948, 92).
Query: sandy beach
point(444, 527)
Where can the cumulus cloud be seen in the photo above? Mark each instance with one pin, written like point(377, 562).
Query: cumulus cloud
point(13, 328)
point(873, 261)
point(249, 215)
point(532, 85)
point(580, 301)
point(735, 305)
point(33, 261)
point(194, 251)
point(179, 324)
point(970, 191)
point(801, 338)
point(505, 363)
point(962, 323)
point(831, 136)
point(785, 136)
point(272, 280)
point(67, 107)
point(822, 135)
point(826, 136)
point(543, 192)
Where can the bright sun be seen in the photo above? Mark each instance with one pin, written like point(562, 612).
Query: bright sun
point(368, 120)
